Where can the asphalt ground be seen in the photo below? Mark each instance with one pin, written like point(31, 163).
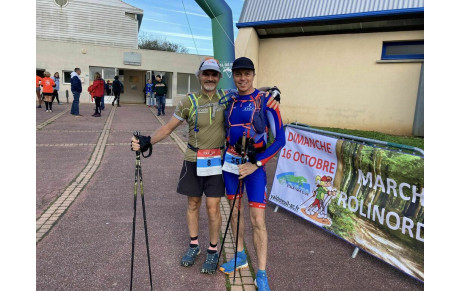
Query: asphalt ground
point(85, 244)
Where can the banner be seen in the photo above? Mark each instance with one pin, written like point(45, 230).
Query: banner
point(368, 196)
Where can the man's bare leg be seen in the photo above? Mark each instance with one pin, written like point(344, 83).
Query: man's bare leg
point(193, 212)
point(214, 218)
point(259, 235)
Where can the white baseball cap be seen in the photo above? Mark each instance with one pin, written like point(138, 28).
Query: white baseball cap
point(210, 64)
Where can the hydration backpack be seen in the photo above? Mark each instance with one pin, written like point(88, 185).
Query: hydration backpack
point(193, 110)
point(258, 119)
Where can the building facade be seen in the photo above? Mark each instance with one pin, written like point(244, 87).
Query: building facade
point(102, 36)
point(354, 64)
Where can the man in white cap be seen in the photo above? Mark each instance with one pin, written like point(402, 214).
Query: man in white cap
point(201, 171)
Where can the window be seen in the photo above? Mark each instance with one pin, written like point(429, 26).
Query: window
point(94, 70)
point(402, 50)
point(187, 83)
point(66, 75)
point(108, 74)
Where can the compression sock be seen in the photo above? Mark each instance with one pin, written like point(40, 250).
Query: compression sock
point(212, 249)
point(194, 242)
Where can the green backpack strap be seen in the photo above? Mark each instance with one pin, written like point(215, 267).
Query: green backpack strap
point(193, 110)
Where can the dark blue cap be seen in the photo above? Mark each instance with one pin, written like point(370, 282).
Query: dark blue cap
point(243, 63)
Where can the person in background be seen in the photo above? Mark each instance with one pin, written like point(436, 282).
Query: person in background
point(48, 88)
point(108, 88)
point(148, 93)
point(160, 90)
point(75, 87)
point(104, 89)
point(90, 91)
point(37, 90)
point(56, 80)
point(117, 87)
point(98, 92)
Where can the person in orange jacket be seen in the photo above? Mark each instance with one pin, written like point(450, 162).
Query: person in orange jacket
point(38, 79)
point(98, 93)
point(48, 89)
point(90, 91)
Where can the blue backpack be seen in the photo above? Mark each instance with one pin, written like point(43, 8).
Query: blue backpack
point(258, 119)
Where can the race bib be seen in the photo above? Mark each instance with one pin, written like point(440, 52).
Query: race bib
point(208, 162)
point(231, 162)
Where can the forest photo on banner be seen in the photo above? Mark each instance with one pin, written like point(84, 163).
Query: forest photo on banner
point(368, 196)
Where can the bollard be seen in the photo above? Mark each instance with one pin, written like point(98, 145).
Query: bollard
point(67, 95)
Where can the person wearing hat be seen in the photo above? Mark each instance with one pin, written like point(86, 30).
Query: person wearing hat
point(201, 170)
point(249, 119)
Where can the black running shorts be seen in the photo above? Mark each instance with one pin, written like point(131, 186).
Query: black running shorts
point(192, 185)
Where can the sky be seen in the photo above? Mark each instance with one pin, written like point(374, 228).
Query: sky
point(167, 20)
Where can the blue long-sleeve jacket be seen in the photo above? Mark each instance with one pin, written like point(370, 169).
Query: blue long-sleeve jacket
point(75, 83)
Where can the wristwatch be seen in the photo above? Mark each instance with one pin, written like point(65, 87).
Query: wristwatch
point(259, 164)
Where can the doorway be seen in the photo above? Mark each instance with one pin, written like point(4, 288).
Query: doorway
point(134, 82)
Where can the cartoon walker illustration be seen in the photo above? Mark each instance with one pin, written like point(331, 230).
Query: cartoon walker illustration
point(322, 200)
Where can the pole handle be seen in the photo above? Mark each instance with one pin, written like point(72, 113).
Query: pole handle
point(243, 145)
point(136, 135)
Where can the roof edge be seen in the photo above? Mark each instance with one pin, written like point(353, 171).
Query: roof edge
point(331, 17)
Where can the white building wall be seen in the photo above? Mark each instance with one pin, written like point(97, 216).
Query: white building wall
point(55, 56)
point(97, 22)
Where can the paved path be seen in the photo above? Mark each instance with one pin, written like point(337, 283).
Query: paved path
point(85, 179)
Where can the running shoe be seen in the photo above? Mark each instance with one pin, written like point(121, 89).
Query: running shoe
point(210, 265)
point(261, 281)
point(190, 256)
point(241, 262)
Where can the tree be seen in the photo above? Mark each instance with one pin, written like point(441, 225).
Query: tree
point(149, 42)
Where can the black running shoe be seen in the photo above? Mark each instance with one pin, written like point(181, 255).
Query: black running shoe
point(210, 265)
point(190, 256)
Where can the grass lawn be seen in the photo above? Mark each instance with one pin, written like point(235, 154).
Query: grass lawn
point(404, 140)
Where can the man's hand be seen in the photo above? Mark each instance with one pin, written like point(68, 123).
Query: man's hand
point(135, 144)
point(246, 169)
point(274, 101)
point(143, 143)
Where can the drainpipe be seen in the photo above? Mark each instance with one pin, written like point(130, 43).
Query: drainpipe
point(222, 37)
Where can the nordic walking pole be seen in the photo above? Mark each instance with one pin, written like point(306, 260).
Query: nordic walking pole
point(240, 187)
point(139, 180)
point(136, 176)
point(226, 229)
point(145, 224)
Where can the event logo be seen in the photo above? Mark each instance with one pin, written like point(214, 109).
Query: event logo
point(297, 183)
point(319, 201)
point(226, 67)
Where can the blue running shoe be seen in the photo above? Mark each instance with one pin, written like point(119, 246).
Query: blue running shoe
point(241, 262)
point(190, 256)
point(261, 281)
point(210, 265)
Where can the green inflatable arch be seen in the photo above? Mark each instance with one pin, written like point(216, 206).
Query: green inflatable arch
point(222, 37)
